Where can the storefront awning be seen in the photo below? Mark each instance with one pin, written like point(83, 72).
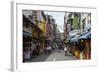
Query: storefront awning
point(74, 39)
point(27, 33)
point(85, 36)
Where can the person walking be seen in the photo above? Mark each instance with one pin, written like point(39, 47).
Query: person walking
point(53, 48)
point(65, 50)
point(48, 50)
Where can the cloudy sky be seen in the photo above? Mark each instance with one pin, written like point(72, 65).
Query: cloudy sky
point(59, 18)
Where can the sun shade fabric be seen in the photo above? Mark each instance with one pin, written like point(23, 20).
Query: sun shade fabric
point(85, 36)
point(27, 33)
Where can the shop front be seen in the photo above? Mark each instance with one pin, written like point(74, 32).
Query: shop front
point(85, 41)
point(80, 46)
point(27, 46)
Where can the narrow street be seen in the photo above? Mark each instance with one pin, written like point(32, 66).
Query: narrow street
point(46, 31)
point(54, 56)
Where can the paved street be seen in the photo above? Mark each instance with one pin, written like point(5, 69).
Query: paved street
point(55, 56)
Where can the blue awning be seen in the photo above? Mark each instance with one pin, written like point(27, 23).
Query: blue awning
point(74, 39)
point(82, 36)
point(85, 36)
point(70, 38)
point(27, 33)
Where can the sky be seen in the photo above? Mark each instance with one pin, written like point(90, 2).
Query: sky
point(59, 18)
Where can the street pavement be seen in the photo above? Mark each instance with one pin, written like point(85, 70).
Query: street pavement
point(60, 56)
point(54, 56)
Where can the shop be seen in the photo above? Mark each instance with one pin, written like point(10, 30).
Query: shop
point(85, 41)
point(27, 46)
point(80, 46)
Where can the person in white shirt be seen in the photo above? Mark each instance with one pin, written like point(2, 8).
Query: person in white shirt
point(65, 50)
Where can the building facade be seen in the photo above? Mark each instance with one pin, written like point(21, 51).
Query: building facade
point(76, 25)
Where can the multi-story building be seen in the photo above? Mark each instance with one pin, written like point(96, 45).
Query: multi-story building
point(76, 21)
point(51, 28)
point(77, 24)
point(85, 21)
point(27, 36)
point(41, 23)
point(34, 23)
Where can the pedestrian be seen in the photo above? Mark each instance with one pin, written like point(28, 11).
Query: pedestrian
point(48, 50)
point(65, 50)
point(53, 47)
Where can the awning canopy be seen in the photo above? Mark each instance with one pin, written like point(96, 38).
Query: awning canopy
point(85, 36)
point(74, 39)
point(27, 33)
